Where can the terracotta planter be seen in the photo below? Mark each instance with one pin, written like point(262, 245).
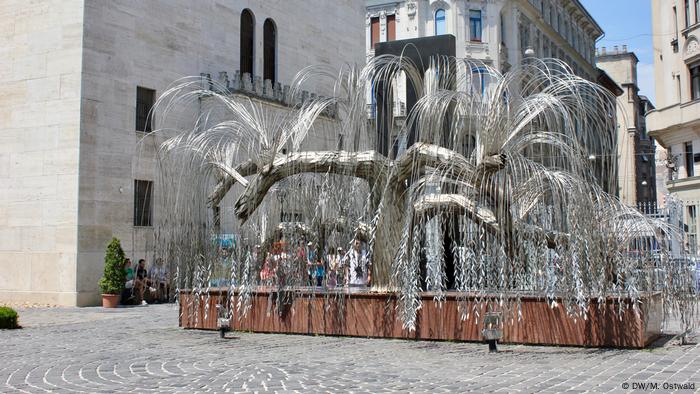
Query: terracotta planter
point(110, 300)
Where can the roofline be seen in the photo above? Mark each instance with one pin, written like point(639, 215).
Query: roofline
point(590, 17)
point(603, 78)
point(613, 55)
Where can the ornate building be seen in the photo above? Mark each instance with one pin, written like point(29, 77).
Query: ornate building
point(495, 31)
point(675, 124)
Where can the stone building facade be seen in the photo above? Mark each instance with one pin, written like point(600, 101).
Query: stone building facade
point(499, 33)
point(635, 149)
point(675, 124)
point(495, 31)
point(77, 79)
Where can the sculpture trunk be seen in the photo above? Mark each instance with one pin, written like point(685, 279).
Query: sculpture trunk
point(387, 240)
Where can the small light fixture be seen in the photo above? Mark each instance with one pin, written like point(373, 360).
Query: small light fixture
point(644, 182)
point(591, 157)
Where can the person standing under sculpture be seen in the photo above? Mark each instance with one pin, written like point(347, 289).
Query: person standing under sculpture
point(334, 265)
point(319, 272)
point(310, 263)
point(357, 266)
point(160, 278)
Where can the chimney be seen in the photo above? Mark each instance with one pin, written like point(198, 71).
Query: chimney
point(615, 49)
point(602, 51)
point(624, 49)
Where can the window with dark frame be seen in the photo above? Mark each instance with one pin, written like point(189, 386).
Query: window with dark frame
point(692, 228)
point(695, 82)
point(391, 27)
point(689, 162)
point(145, 99)
point(374, 31)
point(697, 11)
point(475, 25)
point(687, 13)
point(440, 22)
point(675, 23)
point(247, 44)
point(143, 203)
point(269, 50)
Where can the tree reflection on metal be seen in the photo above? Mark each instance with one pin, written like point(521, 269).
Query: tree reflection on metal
point(499, 181)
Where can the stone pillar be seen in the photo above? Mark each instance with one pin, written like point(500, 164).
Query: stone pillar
point(383, 31)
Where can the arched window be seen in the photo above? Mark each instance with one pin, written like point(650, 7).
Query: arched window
point(247, 43)
point(440, 27)
point(269, 50)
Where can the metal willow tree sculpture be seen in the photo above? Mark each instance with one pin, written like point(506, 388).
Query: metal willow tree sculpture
point(499, 181)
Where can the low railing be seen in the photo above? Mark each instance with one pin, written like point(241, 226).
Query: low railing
point(264, 90)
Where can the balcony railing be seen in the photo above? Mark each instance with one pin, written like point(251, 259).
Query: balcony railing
point(263, 90)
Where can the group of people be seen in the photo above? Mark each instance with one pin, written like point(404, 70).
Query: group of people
point(335, 268)
point(146, 284)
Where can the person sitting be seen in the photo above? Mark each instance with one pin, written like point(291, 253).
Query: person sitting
point(160, 280)
point(141, 283)
point(128, 292)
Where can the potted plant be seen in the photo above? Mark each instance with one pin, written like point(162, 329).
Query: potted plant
point(112, 282)
point(8, 317)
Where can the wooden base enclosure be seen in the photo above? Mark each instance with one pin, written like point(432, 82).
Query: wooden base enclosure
point(371, 314)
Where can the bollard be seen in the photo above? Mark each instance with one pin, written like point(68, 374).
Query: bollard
point(223, 324)
point(492, 331)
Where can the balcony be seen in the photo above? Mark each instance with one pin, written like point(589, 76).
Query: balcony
point(662, 123)
point(688, 183)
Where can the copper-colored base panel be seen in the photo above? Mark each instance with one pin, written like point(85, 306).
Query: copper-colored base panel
point(368, 314)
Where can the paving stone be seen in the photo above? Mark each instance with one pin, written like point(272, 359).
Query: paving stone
point(143, 350)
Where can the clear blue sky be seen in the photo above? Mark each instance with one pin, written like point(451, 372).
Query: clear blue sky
point(628, 22)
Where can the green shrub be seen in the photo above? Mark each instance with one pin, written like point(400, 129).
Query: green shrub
point(112, 281)
point(8, 317)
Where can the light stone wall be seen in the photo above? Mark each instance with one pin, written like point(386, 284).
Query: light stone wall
point(69, 152)
point(151, 44)
point(40, 58)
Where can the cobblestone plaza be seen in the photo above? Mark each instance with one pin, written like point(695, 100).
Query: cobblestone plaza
point(142, 349)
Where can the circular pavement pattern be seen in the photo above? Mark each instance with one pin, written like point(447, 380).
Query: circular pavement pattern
point(141, 349)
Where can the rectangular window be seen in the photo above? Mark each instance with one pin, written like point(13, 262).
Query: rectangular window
point(675, 22)
point(475, 25)
point(503, 29)
point(559, 23)
point(374, 31)
point(689, 162)
point(687, 13)
point(692, 228)
point(145, 98)
point(697, 11)
point(391, 27)
point(143, 203)
point(695, 82)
